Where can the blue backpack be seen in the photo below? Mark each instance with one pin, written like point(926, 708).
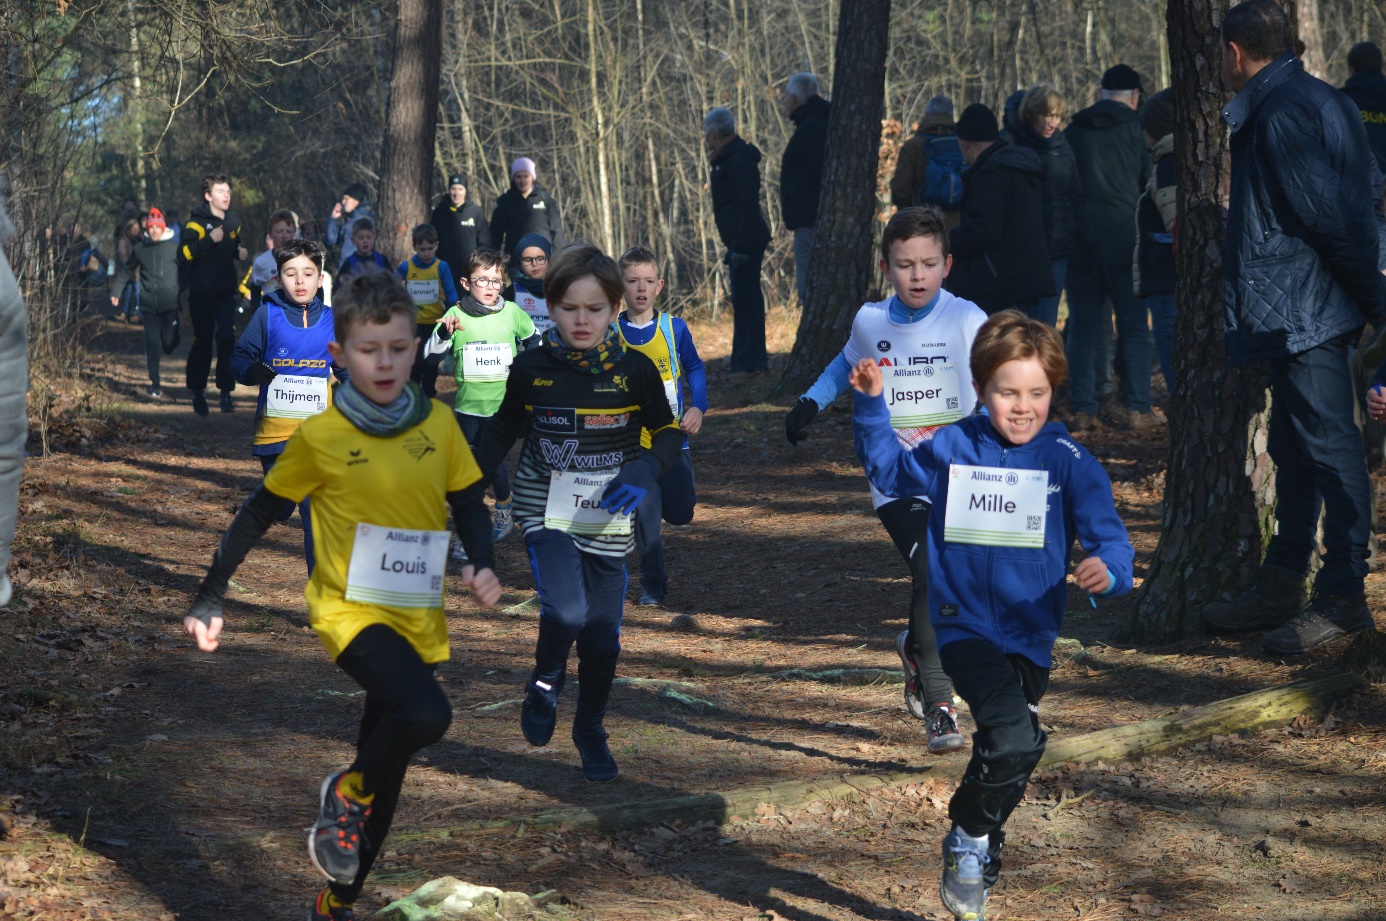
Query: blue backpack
point(943, 185)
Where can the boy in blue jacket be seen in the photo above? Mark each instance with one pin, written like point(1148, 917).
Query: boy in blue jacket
point(1010, 492)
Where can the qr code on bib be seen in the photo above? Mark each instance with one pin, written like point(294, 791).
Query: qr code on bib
point(1032, 522)
point(436, 583)
point(952, 402)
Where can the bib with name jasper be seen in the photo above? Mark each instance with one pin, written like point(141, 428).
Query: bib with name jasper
point(996, 506)
point(922, 395)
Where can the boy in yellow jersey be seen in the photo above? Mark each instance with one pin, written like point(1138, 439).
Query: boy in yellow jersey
point(429, 281)
point(382, 468)
point(666, 341)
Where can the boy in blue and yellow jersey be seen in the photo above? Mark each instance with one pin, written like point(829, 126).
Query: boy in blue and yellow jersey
point(284, 352)
point(366, 258)
point(429, 280)
point(666, 341)
point(383, 470)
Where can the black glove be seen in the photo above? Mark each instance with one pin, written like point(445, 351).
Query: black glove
point(260, 373)
point(796, 423)
point(737, 260)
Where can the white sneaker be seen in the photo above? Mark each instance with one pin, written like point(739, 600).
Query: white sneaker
point(502, 522)
point(459, 553)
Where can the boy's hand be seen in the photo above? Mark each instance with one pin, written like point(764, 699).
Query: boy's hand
point(115, 302)
point(692, 422)
point(1376, 403)
point(1091, 576)
point(797, 420)
point(242, 253)
point(452, 324)
point(337, 211)
point(485, 586)
point(203, 634)
point(866, 378)
point(216, 234)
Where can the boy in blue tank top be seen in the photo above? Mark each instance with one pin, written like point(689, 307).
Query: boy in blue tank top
point(284, 352)
point(666, 341)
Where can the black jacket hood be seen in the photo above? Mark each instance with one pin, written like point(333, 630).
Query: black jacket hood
point(739, 147)
point(1106, 113)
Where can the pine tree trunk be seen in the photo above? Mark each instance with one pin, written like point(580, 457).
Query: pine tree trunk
point(846, 232)
point(1219, 486)
point(411, 126)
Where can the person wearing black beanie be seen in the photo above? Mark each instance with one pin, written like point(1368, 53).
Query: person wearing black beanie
point(462, 227)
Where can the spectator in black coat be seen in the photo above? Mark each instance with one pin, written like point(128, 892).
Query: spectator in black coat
point(1000, 258)
point(1036, 126)
point(1301, 269)
point(801, 168)
point(1366, 86)
point(461, 226)
point(735, 187)
point(526, 207)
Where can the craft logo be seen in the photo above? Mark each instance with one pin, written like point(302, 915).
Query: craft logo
point(555, 419)
point(606, 421)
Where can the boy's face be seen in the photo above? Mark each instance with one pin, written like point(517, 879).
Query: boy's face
point(364, 241)
point(584, 314)
point(426, 250)
point(1017, 399)
point(485, 285)
point(281, 233)
point(378, 357)
point(219, 197)
point(299, 278)
point(534, 262)
point(457, 194)
point(917, 268)
point(643, 285)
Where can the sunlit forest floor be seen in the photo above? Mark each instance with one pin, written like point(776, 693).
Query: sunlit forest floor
point(140, 779)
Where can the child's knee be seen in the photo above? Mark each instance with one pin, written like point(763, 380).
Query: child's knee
point(427, 719)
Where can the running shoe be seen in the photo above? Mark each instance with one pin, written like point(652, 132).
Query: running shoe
point(228, 405)
point(650, 599)
point(597, 764)
point(459, 552)
point(941, 728)
point(963, 888)
point(321, 911)
point(334, 841)
point(154, 393)
point(502, 522)
point(539, 712)
point(200, 403)
point(914, 693)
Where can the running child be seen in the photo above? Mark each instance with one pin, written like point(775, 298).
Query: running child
point(365, 258)
point(376, 600)
point(528, 267)
point(666, 341)
point(1011, 492)
point(482, 332)
point(429, 281)
point(584, 397)
point(921, 337)
point(155, 256)
point(284, 352)
point(260, 279)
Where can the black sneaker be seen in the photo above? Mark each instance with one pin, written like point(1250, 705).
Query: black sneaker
point(597, 764)
point(963, 888)
point(539, 712)
point(1277, 596)
point(941, 728)
point(154, 393)
point(914, 695)
point(322, 912)
point(1327, 618)
point(200, 403)
point(334, 841)
point(228, 405)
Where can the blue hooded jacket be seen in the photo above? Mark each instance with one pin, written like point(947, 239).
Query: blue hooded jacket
point(1013, 597)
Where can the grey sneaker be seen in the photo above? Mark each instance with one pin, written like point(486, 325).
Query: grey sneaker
point(963, 888)
point(1327, 618)
point(1277, 596)
point(457, 551)
point(941, 728)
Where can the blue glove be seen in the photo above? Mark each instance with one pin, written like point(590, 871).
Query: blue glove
point(622, 498)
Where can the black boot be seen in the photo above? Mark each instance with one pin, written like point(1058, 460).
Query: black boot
point(595, 675)
point(1277, 596)
point(1327, 618)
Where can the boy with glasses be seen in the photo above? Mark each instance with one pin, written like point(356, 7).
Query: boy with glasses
point(482, 332)
point(528, 267)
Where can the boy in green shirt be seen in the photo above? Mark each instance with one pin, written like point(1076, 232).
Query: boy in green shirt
point(482, 332)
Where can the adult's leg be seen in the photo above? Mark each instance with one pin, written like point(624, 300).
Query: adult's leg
point(803, 249)
point(1133, 337)
point(169, 335)
point(1048, 309)
point(1085, 297)
point(225, 341)
point(1297, 503)
point(599, 642)
point(1164, 316)
point(14, 420)
point(748, 314)
point(907, 523)
point(406, 710)
point(202, 311)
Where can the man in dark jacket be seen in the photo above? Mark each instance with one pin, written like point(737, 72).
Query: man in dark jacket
point(932, 145)
point(1366, 86)
point(461, 226)
point(735, 187)
point(1113, 167)
point(211, 247)
point(526, 207)
point(801, 169)
point(1000, 258)
point(1301, 269)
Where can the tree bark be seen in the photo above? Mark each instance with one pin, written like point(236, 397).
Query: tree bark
point(1219, 485)
point(406, 167)
point(846, 231)
point(1307, 19)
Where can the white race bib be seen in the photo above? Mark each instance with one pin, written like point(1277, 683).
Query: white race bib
point(572, 505)
point(486, 361)
point(996, 506)
point(671, 393)
point(537, 309)
point(923, 395)
point(423, 290)
point(292, 397)
point(397, 567)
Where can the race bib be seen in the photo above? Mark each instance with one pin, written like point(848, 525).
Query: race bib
point(537, 309)
point(671, 393)
point(572, 505)
point(486, 361)
point(923, 395)
point(292, 397)
point(996, 506)
point(423, 290)
point(397, 567)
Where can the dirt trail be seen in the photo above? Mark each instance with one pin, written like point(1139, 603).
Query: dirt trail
point(148, 781)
